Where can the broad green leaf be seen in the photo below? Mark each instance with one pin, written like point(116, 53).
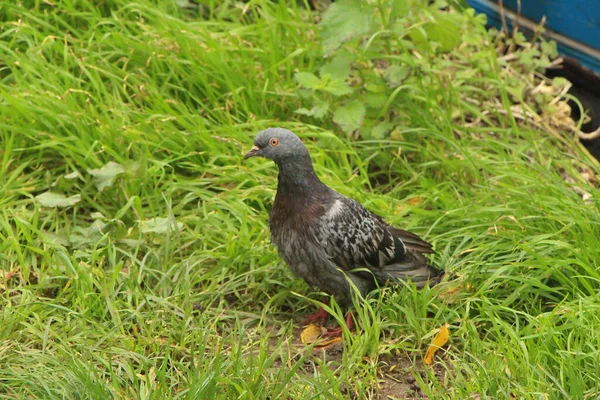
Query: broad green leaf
point(549, 48)
point(440, 4)
point(381, 130)
point(399, 29)
point(54, 239)
point(308, 80)
point(88, 236)
point(338, 87)
point(376, 100)
point(338, 67)
point(343, 21)
point(105, 176)
point(160, 225)
point(53, 200)
point(418, 35)
point(400, 8)
point(318, 110)
point(132, 243)
point(445, 30)
point(304, 93)
point(350, 117)
point(376, 87)
point(396, 74)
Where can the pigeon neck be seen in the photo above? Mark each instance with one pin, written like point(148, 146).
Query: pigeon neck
point(295, 177)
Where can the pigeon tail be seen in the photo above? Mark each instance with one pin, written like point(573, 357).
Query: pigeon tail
point(412, 242)
point(420, 274)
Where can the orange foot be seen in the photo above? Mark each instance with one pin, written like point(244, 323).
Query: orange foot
point(336, 332)
point(319, 317)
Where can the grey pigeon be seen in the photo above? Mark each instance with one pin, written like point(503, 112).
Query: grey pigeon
point(327, 238)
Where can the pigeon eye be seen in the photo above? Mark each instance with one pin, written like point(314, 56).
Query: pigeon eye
point(274, 142)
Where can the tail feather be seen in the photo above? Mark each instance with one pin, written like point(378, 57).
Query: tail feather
point(412, 241)
point(414, 268)
point(419, 276)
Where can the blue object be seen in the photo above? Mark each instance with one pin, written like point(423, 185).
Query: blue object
point(573, 24)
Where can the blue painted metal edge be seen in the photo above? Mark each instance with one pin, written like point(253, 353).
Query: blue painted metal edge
point(587, 56)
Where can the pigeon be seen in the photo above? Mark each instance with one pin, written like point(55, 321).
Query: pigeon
point(330, 240)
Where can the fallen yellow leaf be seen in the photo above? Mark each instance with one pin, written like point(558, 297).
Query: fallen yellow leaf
point(413, 201)
point(312, 333)
point(329, 342)
point(451, 290)
point(438, 341)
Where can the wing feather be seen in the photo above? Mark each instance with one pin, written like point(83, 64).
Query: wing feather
point(355, 237)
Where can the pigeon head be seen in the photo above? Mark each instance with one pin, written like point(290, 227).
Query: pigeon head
point(279, 145)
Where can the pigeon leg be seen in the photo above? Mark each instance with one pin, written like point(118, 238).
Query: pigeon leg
point(335, 332)
point(318, 317)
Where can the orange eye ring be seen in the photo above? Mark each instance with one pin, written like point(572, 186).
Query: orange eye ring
point(274, 142)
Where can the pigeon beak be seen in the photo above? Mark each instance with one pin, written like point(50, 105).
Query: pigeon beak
point(252, 153)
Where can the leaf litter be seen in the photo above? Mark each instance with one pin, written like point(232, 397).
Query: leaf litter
point(314, 334)
point(440, 339)
point(399, 374)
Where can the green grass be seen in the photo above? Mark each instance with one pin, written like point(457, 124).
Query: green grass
point(113, 309)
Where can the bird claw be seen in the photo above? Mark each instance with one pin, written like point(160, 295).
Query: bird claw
point(332, 332)
point(336, 332)
point(319, 317)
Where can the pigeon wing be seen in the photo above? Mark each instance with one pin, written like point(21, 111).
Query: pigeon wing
point(356, 238)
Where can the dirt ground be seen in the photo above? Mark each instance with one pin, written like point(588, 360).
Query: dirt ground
point(396, 373)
